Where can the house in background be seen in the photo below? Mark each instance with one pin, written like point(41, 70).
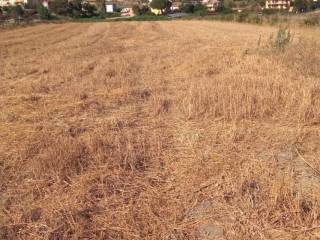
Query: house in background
point(126, 12)
point(211, 5)
point(110, 7)
point(278, 4)
point(4, 3)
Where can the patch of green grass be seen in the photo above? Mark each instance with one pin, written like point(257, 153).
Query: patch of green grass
point(91, 19)
point(146, 17)
point(142, 18)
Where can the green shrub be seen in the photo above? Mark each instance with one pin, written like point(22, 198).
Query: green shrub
point(101, 6)
point(224, 10)
point(31, 4)
point(187, 8)
point(200, 10)
point(14, 11)
point(144, 17)
point(274, 20)
point(269, 11)
point(74, 9)
point(256, 19)
point(43, 12)
point(282, 39)
point(80, 9)
point(301, 5)
point(227, 17)
point(88, 10)
point(137, 10)
point(145, 10)
point(59, 7)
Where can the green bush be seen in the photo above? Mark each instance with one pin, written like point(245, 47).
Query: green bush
point(200, 10)
point(274, 19)
point(74, 9)
point(43, 12)
point(14, 11)
point(187, 8)
point(224, 10)
point(59, 7)
point(145, 10)
point(145, 17)
point(101, 6)
point(302, 5)
point(282, 39)
point(31, 4)
point(88, 10)
point(269, 11)
point(80, 9)
point(137, 10)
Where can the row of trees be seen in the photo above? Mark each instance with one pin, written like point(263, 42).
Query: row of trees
point(305, 5)
point(164, 6)
point(81, 9)
point(226, 7)
point(19, 12)
point(75, 8)
point(34, 9)
point(299, 5)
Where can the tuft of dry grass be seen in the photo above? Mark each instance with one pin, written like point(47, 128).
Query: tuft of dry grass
point(159, 130)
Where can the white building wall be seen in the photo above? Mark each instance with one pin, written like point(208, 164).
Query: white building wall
point(109, 8)
point(11, 2)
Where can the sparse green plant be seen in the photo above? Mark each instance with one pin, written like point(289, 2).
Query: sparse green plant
point(140, 10)
point(136, 9)
point(31, 4)
point(187, 7)
point(200, 10)
point(101, 6)
point(282, 39)
point(243, 16)
point(274, 19)
point(43, 12)
point(15, 11)
point(224, 9)
point(256, 19)
point(88, 10)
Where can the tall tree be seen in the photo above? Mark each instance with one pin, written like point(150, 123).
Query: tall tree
point(101, 5)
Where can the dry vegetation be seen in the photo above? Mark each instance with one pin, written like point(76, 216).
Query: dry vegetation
point(159, 130)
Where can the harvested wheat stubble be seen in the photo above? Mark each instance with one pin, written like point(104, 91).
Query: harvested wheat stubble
point(159, 130)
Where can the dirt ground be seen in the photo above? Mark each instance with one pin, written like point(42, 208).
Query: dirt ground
point(159, 130)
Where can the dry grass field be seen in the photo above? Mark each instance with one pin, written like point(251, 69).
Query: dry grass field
point(159, 130)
